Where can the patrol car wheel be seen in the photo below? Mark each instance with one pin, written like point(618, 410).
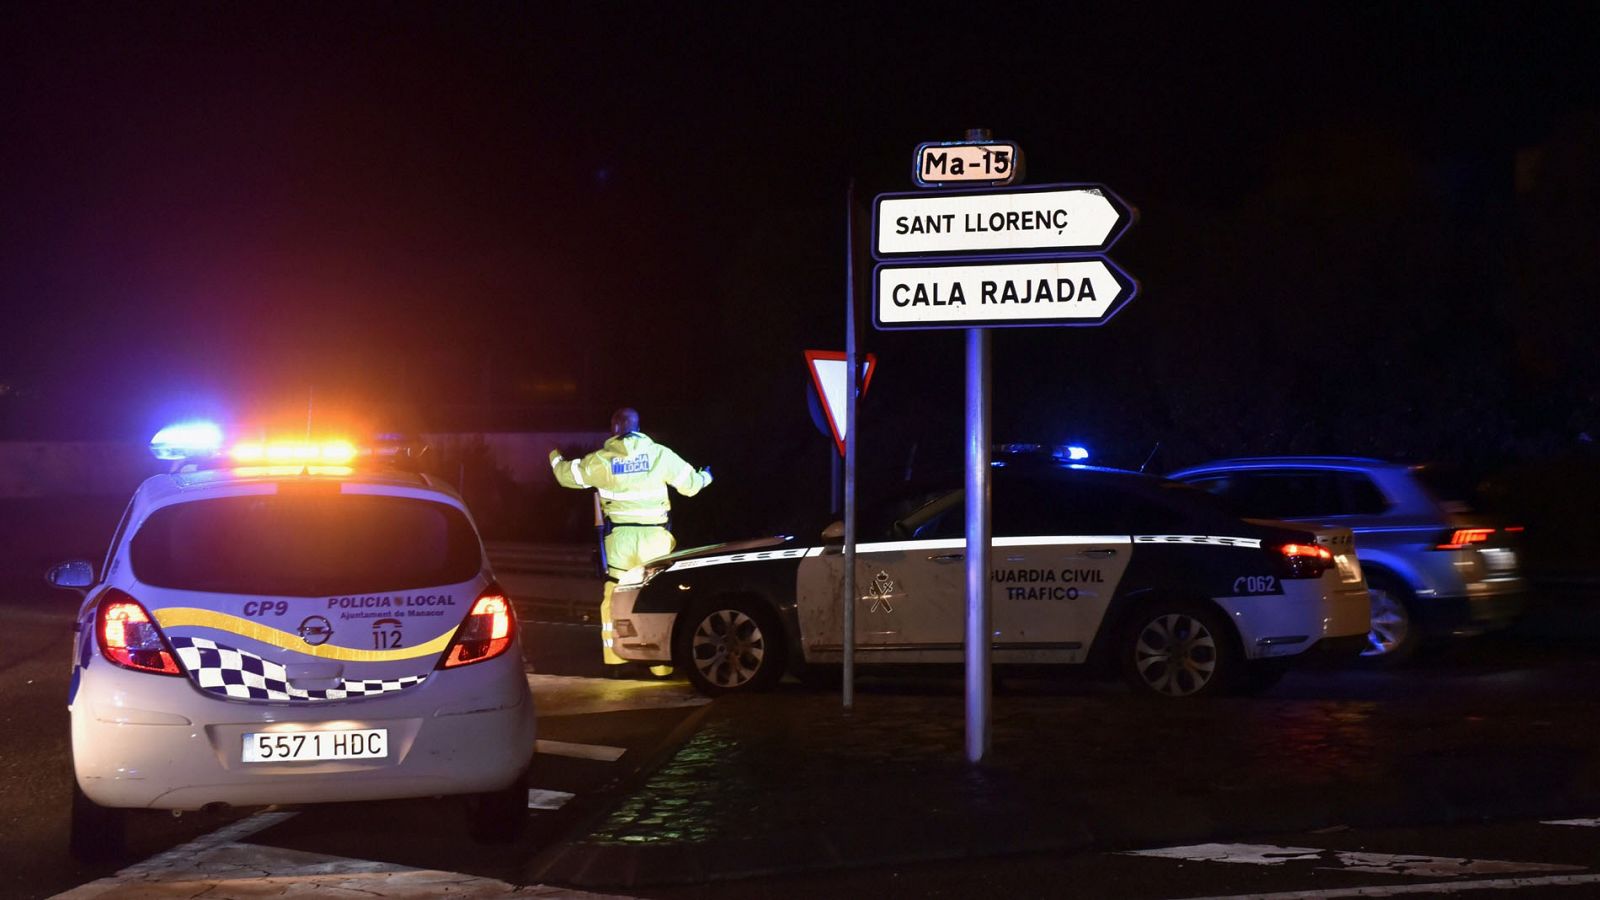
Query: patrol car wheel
point(497, 816)
point(1179, 651)
point(97, 832)
point(1394, 635)
point(731, 645)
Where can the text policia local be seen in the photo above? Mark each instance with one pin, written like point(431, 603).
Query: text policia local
point(1010, 290)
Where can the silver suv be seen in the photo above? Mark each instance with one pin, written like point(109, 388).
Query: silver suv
point(1434, 568)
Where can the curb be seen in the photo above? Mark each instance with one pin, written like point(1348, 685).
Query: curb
point(568, 860)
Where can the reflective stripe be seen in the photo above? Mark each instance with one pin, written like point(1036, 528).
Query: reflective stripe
point(655, 493)
point(1213, 540)
point(757, 556)
point(657, 515)
point(186, 617)
point(577, 472)
point(1058, 540)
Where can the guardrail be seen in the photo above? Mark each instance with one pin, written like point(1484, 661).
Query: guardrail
point(549, 582)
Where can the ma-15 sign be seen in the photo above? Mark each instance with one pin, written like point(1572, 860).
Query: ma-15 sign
point(1028, 256)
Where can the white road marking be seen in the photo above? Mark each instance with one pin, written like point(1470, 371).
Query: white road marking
point(571, 695)
point(1581, 823)
point(1250, 854)
point(1433, 866)
point(217, 865)
point(539, 799)
point(1432, 887)
point(579, 751)
point(1412, 864)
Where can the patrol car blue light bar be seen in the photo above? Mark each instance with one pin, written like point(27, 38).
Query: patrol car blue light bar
point(1075, 452)
point(187, 440)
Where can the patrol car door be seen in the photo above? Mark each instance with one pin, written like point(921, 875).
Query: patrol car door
point(909, 583)
point(1055, 564)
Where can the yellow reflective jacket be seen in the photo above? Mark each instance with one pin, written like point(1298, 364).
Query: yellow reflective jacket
point(631, 472)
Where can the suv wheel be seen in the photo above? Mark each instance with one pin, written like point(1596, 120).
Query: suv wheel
point(1394, 635)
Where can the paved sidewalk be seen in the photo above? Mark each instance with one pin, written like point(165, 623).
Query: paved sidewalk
point(788, 782)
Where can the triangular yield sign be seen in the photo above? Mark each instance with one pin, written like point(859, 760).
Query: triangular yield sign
point(831, 377)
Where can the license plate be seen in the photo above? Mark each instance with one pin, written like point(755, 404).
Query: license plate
point(298, 746)
point(1499, 559)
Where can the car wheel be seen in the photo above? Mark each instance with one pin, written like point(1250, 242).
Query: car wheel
point(1394, 635)
point(97, 833)
point(1179, 651)
point(496, 817)
point(731, 646)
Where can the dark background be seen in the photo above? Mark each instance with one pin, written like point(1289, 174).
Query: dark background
point(1365, 228)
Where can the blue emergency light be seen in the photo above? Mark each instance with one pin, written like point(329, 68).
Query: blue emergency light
point(187, 440)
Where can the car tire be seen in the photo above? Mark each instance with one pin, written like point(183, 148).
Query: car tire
point(1179, 651)
point(497, 817)
point(1394, 634)
point(97, 833)
point(731, 645)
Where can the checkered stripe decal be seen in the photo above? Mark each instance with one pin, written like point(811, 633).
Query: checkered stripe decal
point(239, 675)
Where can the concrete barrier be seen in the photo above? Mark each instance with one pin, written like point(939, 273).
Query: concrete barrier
point(73, 468)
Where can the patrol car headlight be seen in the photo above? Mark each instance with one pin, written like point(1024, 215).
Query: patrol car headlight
point(625, 629)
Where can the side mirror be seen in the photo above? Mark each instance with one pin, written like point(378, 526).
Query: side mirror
point(74, 574)
point(833, 534)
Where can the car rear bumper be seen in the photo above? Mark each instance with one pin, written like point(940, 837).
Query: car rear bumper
point(1474, 613)
point(1305, 615)
point(178, 749)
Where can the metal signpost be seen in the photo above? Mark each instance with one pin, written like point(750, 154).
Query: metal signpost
point(985, 259)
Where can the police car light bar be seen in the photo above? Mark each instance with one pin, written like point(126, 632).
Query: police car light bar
point(335, 452)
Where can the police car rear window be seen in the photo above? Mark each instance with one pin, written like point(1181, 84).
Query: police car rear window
point(305, 545)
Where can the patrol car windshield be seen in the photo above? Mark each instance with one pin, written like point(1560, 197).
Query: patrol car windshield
point(305, 545)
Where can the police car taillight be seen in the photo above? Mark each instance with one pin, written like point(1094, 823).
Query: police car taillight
point(1303, 560)
point(485, 633)
point(130, 638)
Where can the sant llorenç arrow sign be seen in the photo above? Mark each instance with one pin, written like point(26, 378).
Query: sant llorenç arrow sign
point(1086, 218)
point(999, 258)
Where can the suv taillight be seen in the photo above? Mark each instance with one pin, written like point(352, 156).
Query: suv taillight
point(1459, 538)
point(130, 638)
point(1302, 560)
point(485, 633)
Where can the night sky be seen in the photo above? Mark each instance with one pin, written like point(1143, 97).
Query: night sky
point(1364, 227)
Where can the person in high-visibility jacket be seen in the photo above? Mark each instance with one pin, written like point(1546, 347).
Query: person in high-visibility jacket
point(631, 472)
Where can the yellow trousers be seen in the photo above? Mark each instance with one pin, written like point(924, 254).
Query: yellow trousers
point(628, 546)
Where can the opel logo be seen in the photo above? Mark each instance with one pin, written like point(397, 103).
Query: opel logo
point(316, 630)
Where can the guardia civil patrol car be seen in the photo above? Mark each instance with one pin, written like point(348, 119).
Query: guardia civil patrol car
point(1143, 576)
point(291, 623)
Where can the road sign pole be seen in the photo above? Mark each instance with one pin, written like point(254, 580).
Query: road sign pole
point(979, 632)
point(852, 376)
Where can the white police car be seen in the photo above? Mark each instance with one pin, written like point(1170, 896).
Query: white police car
point(282, 623)
point(1145, 576)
